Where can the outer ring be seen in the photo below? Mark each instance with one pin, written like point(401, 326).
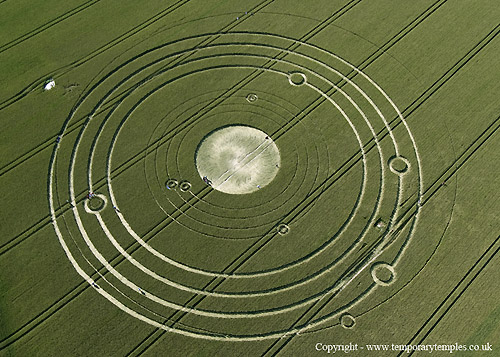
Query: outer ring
point(51, 203)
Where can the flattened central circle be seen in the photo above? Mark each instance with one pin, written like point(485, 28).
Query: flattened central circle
point(237, 159)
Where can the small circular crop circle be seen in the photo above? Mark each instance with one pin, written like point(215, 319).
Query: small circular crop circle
point(383, 274)
point(297, 78)
point(171, 184)
point(399, 165)
point(347, 321)
point(380, 224)
point(95, 204)
point(283, 229)
point(185, 186)
point(252, 97)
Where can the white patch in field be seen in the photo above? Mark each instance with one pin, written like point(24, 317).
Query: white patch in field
point(238, 159)
point(49, 84)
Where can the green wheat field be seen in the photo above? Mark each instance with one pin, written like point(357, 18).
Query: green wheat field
point(346, 200)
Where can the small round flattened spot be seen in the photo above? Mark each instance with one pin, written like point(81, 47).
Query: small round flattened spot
point(283, 229)
point(383, 274)
point(252, 97)
point(95, 204)
point(185, 186)
point(171, 184)
point(399, 165)
point(380, 224)
point(297, 78)
point(347, 321)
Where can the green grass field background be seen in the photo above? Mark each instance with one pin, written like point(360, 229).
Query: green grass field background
point(438, 62)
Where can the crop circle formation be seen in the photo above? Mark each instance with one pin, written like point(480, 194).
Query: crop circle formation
point(213, 167)
point(95, 204)
point(171, 184)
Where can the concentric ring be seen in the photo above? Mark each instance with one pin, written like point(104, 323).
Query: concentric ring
point(238, 53)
